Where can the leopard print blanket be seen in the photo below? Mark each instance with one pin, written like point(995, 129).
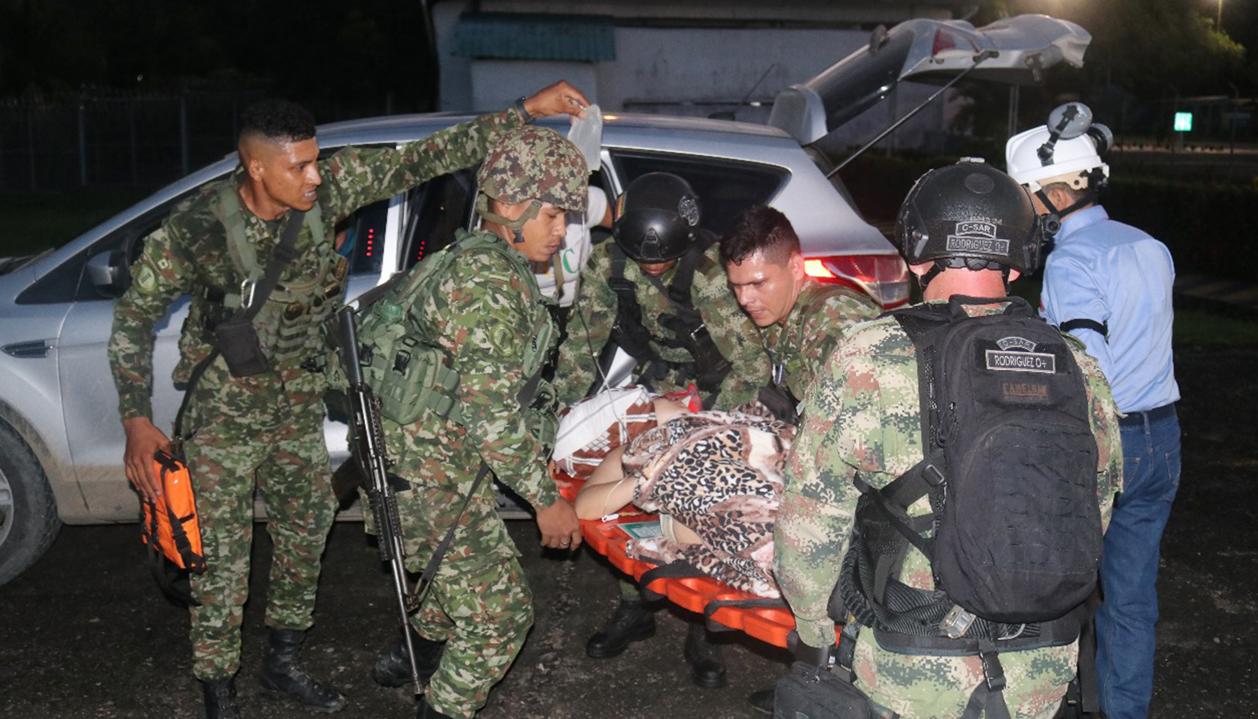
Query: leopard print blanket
point(720, 474)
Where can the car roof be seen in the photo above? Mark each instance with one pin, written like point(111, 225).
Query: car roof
point(676, 135)
point(616, 125)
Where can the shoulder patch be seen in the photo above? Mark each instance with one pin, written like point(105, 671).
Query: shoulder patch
point(145, 278)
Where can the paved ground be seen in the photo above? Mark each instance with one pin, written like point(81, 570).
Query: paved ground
point(84, 633)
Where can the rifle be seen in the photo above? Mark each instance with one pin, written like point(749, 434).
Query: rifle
point(367, 443)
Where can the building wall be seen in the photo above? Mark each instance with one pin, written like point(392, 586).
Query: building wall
point(732, 72)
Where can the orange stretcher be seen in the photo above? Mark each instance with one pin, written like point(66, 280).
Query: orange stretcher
point(722, 604)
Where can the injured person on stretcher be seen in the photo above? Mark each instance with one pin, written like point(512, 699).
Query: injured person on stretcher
point(714, 478)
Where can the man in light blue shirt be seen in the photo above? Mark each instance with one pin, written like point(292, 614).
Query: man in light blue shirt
point(1109, 285)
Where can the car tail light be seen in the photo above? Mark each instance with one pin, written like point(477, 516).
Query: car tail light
point(947, 40)
point(883, 277)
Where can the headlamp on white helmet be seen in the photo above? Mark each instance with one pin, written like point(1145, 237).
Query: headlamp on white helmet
point(1068, 149)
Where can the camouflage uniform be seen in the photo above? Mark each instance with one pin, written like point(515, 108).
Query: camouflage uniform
point(488, 317)
point(595, 314)
point(810, 332)
point(862, 415)
point(483, 315)
point(265, 430)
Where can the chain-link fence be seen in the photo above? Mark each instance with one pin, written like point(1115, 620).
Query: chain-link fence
point(103, 138)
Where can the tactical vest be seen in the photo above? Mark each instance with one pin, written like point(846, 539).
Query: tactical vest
point(290, 324)
point(402, 360)
point(685, 326)
point(1014, 532)
point(777, 395)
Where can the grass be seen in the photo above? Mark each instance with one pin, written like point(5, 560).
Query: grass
point(1198, 324)
point(30, 223)
point(1200, 328)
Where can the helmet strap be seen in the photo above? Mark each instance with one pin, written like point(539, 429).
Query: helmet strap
point(936, 267)
point(516, 226)
point(944, 263)
point(1052, 221)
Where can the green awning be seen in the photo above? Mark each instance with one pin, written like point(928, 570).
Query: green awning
point(534, 36)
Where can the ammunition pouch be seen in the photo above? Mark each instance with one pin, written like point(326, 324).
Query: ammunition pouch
point(237, 341)
point(411, 379)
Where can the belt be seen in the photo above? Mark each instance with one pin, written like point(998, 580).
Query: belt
point(1137, 419)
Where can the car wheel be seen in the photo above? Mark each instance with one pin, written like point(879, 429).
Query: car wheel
point(28, 512)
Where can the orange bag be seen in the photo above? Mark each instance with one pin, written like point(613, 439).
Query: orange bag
point(173, 528)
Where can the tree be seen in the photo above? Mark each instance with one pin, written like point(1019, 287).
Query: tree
point(1150, 48)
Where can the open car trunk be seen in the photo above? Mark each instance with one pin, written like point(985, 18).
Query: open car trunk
point(1017, 51)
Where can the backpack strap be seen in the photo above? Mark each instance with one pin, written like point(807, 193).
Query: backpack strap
point(988, 698)
point(628, 331)
point(230, 213)
point(687, 325)
point(919, 324)
point(893, 499)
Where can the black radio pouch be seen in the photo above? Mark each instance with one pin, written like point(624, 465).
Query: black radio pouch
point(235, 338)
point(237, 341)
point(812, 692)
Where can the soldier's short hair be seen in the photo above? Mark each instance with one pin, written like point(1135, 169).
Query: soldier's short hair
point(760, 229)
point(277, 120)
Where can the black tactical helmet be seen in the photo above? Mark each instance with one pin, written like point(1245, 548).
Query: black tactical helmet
point(656, 218)
point(969, 215)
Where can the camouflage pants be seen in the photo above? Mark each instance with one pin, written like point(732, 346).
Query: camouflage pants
point(285, 457)
point(479, 603)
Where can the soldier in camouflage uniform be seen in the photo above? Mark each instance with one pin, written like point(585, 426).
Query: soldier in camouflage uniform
point(265, 431)
point(489, 319)
point(861, 419)
point(799, 318)
point(662, 239)
point(659, 293)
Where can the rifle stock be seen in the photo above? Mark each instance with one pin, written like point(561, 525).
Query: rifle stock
point(367, 444)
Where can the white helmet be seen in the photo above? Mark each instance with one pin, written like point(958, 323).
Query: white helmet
point(1068, 149)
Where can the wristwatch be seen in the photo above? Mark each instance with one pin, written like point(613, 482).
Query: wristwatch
point(519, 107)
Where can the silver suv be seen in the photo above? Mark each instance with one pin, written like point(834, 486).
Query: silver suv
point(61, 441)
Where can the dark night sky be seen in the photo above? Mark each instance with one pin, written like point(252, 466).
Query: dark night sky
point(353, 55)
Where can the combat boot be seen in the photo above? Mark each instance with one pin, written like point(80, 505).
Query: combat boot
point(707, 665)
point(393, 669)
point(220, 698)
point(762, 701)
point(425, 711)
point(280, 673)
point(632, 622)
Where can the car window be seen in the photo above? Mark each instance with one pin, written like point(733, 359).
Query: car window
point(434, 210)
point(68, 282)
point(725, 187)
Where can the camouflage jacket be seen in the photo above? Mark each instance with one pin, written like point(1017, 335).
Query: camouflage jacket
point(862, 416)
point(595, 313)
point(810, 332)
point(189, 254)
point(483, 315)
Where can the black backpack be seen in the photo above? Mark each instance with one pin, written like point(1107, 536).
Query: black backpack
point(1010, 472)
